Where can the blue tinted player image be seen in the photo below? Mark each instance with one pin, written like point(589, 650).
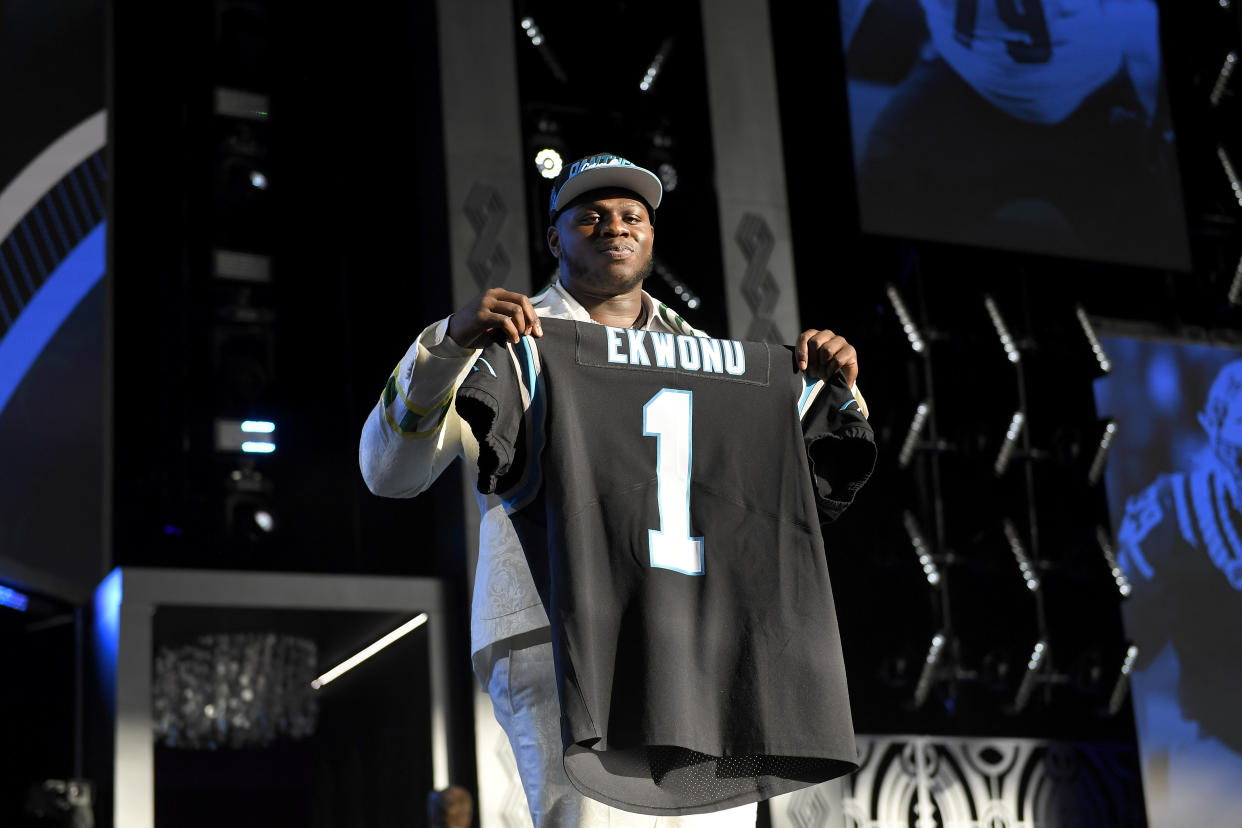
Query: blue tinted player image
point(1024, 124)
point(1181, 547)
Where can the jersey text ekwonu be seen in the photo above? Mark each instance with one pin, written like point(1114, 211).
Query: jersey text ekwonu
point(627, 346)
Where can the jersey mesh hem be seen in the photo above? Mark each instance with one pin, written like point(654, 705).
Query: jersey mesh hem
point(667, 780)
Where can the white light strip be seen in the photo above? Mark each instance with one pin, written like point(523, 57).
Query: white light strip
point(1096, 347)
point(930, 570)
point(1101, 453)
point(929, 669)
point(1230, 173)
point(1119, 575)
point(355, 660)
point(1002, 330)
point(1222, 80)
point(257, 447)
point(1011, 440)
point(258, 426)
point(907, 321)
point(1019, 554)
point(912, 436)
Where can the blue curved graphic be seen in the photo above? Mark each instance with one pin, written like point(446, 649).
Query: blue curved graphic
point(48, 308)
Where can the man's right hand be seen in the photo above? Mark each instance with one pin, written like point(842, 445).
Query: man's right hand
point(496, 311)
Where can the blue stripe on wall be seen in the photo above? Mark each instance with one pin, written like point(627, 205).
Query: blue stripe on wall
point(48, 308)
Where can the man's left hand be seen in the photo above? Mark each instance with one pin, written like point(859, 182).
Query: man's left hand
point(822, 353)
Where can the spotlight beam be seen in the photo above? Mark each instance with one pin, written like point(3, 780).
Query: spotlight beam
point(1019, 555)
point(1011, 440)
point(911, 330)
point(1101, 453)
point(1222, 80)
point(921, 551)
point(1096, 347)
point(1032, 677)
point(657, 62)
point(1002, 330)
point(1114, 568)
point(540, 42)
point(913, 434)
point(1232, 174)
point(928, 673)
point(1122, 685)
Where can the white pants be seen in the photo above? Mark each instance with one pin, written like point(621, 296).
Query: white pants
point(523, 691)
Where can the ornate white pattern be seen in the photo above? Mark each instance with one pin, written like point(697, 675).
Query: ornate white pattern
point(923, 782)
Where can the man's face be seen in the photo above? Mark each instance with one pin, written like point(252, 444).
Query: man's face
point(603, 243)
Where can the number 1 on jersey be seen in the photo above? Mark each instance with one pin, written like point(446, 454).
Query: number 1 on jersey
point(667, 417)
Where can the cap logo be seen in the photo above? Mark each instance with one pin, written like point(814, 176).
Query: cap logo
point(597, 161)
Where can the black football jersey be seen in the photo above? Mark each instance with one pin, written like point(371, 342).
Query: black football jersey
point(668, 491)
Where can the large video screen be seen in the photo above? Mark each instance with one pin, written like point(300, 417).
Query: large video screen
point(1174, 479)
point(1032, 125)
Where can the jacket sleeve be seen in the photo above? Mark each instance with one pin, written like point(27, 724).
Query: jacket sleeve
point(413, 432)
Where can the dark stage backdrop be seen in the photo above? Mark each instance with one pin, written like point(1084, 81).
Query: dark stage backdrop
point(1174, 480)
point(1039, 126)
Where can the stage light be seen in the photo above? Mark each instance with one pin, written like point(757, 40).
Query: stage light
point(13, 599)
point(1039, 657)
point(1118, 696)
point(1101, 453)
point(1019, 555)
point(256, 447)
point(1222, 80)
point(537, 39)
point(1002, 330)
point(668, 176)
point(1119, 575)
point(532, 31)
point(913, 433)
point(1011, 440)
point(680, 288)
point(238, 103)
point(654, 68)
point(250, 436)
point(244, 267)
point(258, 180)
point(928, 673)
point(1230, 173)
point(264, 520)
point(1096, 347)
point(361, 656)
point(907, 321)
point(549, 163)
point(921, 551)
